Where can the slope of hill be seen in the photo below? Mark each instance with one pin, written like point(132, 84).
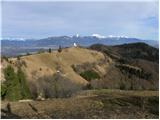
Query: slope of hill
point(136, 65)
point(139, 51)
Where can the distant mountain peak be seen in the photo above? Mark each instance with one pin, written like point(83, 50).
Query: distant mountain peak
point(77, 35)
point(98, 36)
point(10, 38)
point(114, 36)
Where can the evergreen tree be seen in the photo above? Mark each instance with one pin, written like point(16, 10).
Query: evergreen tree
point(15, 87)
point(12, 84)
point(25, 92)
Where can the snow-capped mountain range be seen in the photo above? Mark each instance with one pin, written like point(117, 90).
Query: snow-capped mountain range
point(8, 44)
point(77, 35)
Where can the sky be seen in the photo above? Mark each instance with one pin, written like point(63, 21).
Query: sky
point(22, 19)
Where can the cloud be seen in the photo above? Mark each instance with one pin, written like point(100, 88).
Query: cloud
point(43, 19)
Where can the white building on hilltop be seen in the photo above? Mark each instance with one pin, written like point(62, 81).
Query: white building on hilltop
point(75, 45)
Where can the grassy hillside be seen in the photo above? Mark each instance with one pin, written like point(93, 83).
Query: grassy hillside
point(41, 68)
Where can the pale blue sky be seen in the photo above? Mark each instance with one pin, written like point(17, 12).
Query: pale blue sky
point(44, 19)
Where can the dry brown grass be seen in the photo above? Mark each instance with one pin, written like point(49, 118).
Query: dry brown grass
point(94, 104)
point(115, 92)
point(46, 64)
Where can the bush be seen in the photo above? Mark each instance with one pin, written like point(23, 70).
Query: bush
point(3, 91)
point(5, 58)
point(122, 86)
point(24, 63)
point(18, 57)
point(28, 53)
point(74, 68)
point(55, 86)
point(63, 87)
point(60, 49)
point(90, 75)
point(49, 50)
point(40, 51)
point(88, 87)
point(133, 71)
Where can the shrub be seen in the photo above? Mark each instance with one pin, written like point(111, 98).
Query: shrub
point(90, 75)
point(3, 91)
point(5, 58)
point(49, 50)
point(73, 67)
point(88, 86)
point(18, 57)
point(133, 71)
point(63, 87)
point(24, 63)
point(28, 53)
point(55, 86)
point(41, 51)
point(122, 86)
point(60, 49)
